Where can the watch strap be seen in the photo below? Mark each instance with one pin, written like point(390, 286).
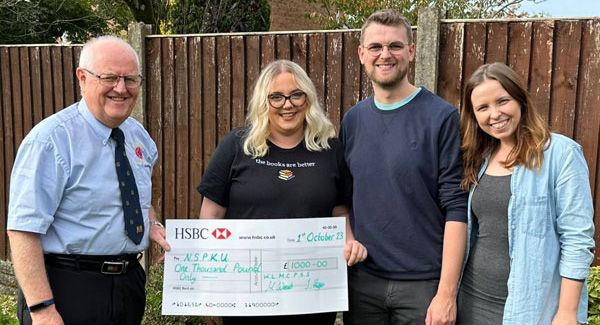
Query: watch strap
point(41, 305)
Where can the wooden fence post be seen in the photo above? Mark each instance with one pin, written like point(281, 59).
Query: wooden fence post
point(137, 39)
point(136, 33)
point(428, 48)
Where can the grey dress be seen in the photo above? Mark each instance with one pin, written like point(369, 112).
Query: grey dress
point(483, 288)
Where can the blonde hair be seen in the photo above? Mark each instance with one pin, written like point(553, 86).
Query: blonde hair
point(318, 129)
point(532, 134)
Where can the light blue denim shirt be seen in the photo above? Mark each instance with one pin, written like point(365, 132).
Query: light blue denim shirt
point(550, 233)
point(64, 183)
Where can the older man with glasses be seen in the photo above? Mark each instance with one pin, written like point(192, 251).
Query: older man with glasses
point(80, 200)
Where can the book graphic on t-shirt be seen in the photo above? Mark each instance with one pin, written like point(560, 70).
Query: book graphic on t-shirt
point(286, 174)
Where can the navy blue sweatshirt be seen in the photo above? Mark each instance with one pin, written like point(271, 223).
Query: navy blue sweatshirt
point(407, 168)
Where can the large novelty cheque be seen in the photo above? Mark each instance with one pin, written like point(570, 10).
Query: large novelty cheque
point(255, 267)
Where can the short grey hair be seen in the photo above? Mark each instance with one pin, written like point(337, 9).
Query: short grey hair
point(87, 56)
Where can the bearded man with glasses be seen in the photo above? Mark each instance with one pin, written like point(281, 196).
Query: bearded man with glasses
point(80, 200)
point(402, 146)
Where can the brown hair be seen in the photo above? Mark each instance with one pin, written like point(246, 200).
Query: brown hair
point(387, 17)
point(532, 134)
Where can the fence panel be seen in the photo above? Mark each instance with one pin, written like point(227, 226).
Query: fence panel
point(565, 76)
point(154, 126)
point(351, 68)
point(497, 42)
point(451, 63)
point(196, 145)
point(316, 62)
point(181, 127)
point(541, 70)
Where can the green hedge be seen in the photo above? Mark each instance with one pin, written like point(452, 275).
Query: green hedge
point(594, 296)
point(8, 310)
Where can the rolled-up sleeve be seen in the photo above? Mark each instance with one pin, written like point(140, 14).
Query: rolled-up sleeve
point(575, 213)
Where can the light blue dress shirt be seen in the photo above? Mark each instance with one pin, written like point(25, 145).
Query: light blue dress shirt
point(64, 184)
point(550, 233)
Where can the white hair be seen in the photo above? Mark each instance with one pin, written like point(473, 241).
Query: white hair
point(87, 56)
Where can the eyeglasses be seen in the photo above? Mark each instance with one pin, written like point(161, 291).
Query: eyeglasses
point(394, 48)
point(111, 80)
point(297, 99)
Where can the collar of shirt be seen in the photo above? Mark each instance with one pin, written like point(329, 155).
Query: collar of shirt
point(101, 130)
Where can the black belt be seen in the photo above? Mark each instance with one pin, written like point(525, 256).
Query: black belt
point(105, 264)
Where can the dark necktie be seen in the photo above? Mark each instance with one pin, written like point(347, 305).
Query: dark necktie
point(134, 221)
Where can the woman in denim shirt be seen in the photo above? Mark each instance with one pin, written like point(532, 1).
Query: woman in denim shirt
point(530, 210)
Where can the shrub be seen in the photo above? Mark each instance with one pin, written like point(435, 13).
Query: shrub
point(152, 315)
point(594, 296)
point(8, 310)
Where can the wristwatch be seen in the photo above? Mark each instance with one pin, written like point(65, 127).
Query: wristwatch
point(156, 222)
point(41, 305)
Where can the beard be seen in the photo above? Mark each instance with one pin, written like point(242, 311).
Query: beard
point(390, 80)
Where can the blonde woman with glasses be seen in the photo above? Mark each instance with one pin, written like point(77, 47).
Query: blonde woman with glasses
point(285, 163)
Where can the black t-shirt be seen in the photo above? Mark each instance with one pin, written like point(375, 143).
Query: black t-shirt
point(285, 183)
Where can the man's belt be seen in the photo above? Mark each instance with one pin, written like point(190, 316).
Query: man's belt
point(105, 264)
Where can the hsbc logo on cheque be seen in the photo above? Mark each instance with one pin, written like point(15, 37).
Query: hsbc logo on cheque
point(221, 233)
point(201, 233)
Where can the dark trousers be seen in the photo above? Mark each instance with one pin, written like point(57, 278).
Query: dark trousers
point(310, 319)
point(378, 301)
point(88, 298)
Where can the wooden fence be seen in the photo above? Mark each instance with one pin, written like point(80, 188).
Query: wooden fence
point(197, 88)
point(35, 82)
